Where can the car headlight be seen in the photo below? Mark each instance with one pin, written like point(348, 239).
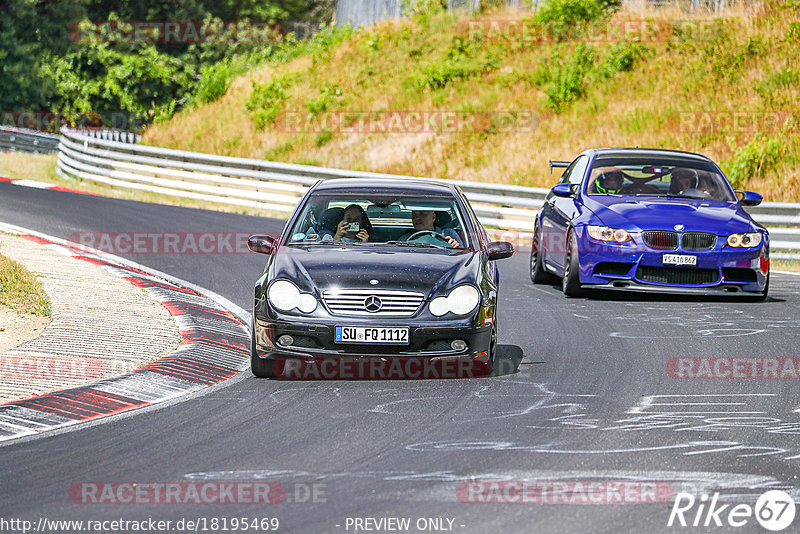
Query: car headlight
point(285, 296)
point(605, 233)
point(460, 301)
point(749, 240)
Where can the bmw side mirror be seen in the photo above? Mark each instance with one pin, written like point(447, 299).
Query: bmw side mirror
point(263, 244)
point(562, 190)
point(499, 250)
point(749, 198)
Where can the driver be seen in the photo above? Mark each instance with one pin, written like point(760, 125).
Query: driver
point(609, 182)
point(682, 180)
point(425, 220)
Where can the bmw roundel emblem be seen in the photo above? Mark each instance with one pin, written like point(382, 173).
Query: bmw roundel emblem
point(374, 282)
point(678, 227)
point(373, 304)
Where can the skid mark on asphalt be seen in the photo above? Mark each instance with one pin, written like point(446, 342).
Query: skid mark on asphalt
point(690, 448)
point(648, 401)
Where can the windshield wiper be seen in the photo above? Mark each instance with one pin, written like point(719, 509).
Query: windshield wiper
point(412, 244)
point(674, 195)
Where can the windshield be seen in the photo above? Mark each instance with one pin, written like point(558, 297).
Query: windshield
point(408, 221)
point(658, 178)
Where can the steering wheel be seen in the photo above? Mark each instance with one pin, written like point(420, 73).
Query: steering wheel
point(433, 234)
point(697, 193)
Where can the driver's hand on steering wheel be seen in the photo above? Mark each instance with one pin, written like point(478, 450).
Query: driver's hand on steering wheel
point(453, 242)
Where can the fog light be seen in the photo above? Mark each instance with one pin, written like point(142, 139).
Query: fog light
point(285, 340)
point(458, 345)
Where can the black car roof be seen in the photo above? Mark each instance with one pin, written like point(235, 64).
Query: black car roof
point(414, 186)
point(645, 153)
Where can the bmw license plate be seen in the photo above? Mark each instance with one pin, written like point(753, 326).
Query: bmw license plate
point(678, 259)
point(377, 335)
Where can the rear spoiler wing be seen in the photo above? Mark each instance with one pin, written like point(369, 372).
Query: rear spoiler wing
point(562, 164)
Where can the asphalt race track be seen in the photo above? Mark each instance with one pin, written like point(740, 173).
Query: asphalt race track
point(585, 396)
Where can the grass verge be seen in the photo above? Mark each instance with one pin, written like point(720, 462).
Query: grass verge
point(20, 290)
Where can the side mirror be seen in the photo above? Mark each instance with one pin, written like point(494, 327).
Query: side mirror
point(499, 250)
point(562, 190)
point(263, 244)
point(749, 198)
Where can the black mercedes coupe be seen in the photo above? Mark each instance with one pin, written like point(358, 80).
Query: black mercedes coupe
point(389, 278)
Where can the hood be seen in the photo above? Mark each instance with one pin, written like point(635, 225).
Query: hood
point(416, 269)
point(721, 218)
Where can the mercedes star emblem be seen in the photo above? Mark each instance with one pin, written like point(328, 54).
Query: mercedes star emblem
point(373, 304)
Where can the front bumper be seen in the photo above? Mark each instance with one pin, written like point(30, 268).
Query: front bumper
point(315, 355)
point(316, 340)
point(635, 266)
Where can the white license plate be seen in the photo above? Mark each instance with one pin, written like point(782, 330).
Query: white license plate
point(678, 259)
point(377, 335)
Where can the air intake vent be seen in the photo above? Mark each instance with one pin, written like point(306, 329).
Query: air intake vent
point(660, 239)
point(698, 241)
point(676, 275)
point(373, 302)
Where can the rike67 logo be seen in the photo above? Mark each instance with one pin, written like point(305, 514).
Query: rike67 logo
point(774, 510)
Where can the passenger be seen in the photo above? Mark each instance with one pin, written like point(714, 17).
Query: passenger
point(425, 220)
point(710, 189)
point(354, 215)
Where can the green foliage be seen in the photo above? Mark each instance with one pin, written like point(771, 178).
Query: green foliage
point(214, 82)
point(727, 57)
point(569, 11)
point(266, 100)
point(29, 30)
point(622, 57)
point(793, 33)
point(132, 80)
point(565, 76)
point(461, 61)
point(327, 99)
point(325, 40)
point(45, 66)
point(752, 160)
point(423, 8)
point(323, 138)
point(780, 80)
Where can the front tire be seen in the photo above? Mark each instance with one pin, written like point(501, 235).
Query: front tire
point(539, 274)
point(260, 368)
point(764, 292)
point(492, 371)
point(571, 282)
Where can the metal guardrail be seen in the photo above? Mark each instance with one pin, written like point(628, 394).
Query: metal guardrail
point(278, 186)
point(22, 139)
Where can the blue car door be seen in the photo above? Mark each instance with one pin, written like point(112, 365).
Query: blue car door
point(558, 212)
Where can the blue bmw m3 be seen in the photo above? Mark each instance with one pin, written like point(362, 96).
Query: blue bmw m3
point(649, 220)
